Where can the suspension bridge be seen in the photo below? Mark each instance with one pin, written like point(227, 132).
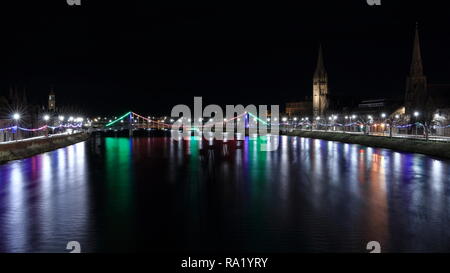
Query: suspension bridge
point(132, 121)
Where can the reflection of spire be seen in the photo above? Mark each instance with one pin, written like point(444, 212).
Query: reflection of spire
point(416, 65)
point(320, 69)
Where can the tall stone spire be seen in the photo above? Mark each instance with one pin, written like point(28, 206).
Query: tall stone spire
point(320, 87)
point(416, 65)
point(416, 82)
point(320, 68)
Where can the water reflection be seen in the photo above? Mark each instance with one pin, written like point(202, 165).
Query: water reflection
point(156, 194)
point(44, 201)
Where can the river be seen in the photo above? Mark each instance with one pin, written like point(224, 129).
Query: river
point(155, 194)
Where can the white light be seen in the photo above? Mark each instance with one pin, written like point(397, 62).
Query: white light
point(16, 116)
point(46, 117)
point(370, 117)
point(295, 119)
point(284, 119)
point(354, 116)
point(171, 120)
point(397, 116)
point(318, 118)
point(416, 114)
point(71, 118)
point(268, 119)
point(383, 115)
point(61, 118)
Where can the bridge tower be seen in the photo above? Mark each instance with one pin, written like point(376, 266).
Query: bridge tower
point(130, 126)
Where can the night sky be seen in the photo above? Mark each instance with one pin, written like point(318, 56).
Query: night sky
point(109, 57)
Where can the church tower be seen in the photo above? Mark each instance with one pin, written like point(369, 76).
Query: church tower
point(416, 82)
point(52, 101)
point(320, 88)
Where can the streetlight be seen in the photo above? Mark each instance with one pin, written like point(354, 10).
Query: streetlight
point(46, 117)
point(16, 117)
point(383, 115)
point(416, 114)
point(61, 118)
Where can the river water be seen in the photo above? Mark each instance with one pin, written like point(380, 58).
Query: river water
point(155, 194)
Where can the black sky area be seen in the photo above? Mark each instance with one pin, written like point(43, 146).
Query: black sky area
point(108, 57)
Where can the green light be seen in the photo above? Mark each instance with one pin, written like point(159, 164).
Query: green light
point(260, 120)
point(114, 121)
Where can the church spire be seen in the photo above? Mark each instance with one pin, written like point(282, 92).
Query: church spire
point(320, 68)
point(320, 88)
point(416, 65)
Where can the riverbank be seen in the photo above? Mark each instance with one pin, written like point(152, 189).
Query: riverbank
point(25, 148)
point(439, 149)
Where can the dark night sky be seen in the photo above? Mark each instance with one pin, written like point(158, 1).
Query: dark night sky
point(113, 56)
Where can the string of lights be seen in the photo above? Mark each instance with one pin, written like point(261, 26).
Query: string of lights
point(14, 128)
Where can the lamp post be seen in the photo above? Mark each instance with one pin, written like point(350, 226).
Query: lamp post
point(383, 116)
point(352, 118)
point(16, 118)
point(369, 122)
point(416, 115)
point(46, 119)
